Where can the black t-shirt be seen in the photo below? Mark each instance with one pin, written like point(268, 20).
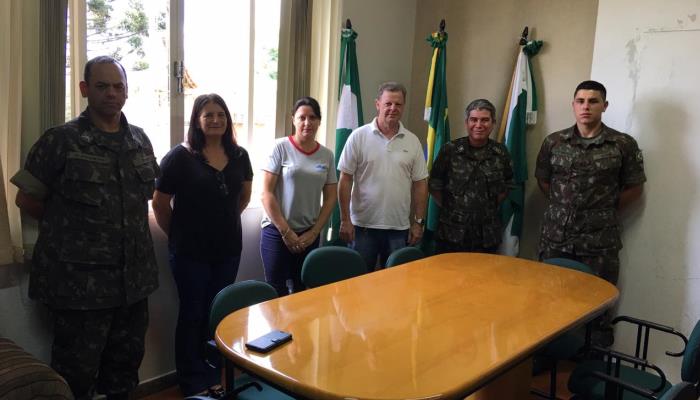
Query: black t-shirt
point(206, 223)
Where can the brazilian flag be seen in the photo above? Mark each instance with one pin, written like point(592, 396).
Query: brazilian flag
point(438, 126)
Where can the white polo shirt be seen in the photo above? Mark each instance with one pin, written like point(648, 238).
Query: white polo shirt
point(383, 172)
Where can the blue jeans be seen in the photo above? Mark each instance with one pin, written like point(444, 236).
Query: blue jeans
point(372, 243)
point(197, 283)
point(281, 264)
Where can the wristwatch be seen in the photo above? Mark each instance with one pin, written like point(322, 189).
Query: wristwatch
point(419, 221)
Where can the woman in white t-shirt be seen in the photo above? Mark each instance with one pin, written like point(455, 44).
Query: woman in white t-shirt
point(299, 193)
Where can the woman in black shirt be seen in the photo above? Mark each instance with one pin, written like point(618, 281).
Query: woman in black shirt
point(209, 179)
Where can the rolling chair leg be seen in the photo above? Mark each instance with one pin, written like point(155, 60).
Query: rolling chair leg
point(228, 376)
point(553, 381)
point(552, 394)
point(232, 391)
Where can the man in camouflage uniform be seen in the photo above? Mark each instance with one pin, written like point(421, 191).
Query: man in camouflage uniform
point(588, 172)
point(88, 183)
point(469, 179)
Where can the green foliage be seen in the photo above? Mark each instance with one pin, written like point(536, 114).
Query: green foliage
point(140, 65)
point(162, 22)
point(270, 65)
point(100, 10)
point(129, 32)
point(135, 21)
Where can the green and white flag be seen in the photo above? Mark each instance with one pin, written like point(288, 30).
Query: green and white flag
point(520, 112)
point(438, 126)
point(349, 109)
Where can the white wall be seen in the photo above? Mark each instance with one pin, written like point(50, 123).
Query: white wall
point(646, 53)
point(163, 304)
point(481, 53)
point(29, 324)
point(385, 31)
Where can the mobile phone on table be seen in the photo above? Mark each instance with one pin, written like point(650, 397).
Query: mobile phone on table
point(269, 341)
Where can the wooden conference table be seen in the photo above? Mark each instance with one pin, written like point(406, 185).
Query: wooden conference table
point(440, 327)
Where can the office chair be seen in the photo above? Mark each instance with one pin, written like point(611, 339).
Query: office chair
point(330, 264)
point(567, 345)
point(404, 255)
point(679, 391)
point(569, 263)
point(627, 376)
point(232, 298)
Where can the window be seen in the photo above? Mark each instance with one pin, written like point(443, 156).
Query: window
point(175, 50)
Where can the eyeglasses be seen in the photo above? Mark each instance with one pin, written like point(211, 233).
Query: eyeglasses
point(223, 188)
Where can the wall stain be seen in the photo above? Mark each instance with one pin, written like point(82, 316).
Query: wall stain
point(692, 17)
point(633, 56)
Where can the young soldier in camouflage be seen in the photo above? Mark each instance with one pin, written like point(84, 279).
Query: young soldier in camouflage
point(469, 179)
point(88, 183)
point(588, 172)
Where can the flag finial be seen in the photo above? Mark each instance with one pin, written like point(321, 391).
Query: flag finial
point(523, 37)
point(442, 26)
point(348, 24)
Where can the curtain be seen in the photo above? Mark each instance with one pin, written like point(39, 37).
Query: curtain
point(10, 127)
point(293, 68)
point(51, 107)
point(52, 62)
point(308, 61)
point(325, 56)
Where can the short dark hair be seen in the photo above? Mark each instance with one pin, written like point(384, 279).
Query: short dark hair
point(480, 104)
point(195, 135)
point(100, 60)
point(391, 86)
point(592, 85)
point(307, 101)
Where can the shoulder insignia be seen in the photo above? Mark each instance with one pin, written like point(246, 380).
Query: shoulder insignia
point(86, 137)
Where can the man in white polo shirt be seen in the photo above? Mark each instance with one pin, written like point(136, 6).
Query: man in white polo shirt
point(383, 188)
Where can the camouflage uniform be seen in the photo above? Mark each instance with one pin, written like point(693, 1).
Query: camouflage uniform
point(586, 177)
point(470, 180)
point(93, 261)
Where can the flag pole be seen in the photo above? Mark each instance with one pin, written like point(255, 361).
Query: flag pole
point(349, 115)
point(438, 123)
point(523, 36)
point(500, 137)
point(520, 112)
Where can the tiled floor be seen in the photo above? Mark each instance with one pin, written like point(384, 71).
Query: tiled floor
point(540, 382)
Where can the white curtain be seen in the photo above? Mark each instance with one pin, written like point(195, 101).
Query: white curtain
point(309, 48)
point(325, 54)
point(52, 62)
point(294, 59)
point(10, 127)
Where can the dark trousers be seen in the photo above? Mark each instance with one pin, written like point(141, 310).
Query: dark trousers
point(197, 283)
point(100, 349)
point(606, 266)
point(281, 265)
